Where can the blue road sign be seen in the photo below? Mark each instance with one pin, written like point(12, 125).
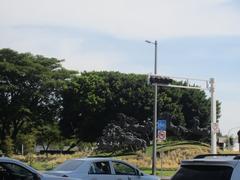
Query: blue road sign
point(162, 125)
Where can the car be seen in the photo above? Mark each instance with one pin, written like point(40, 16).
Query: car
point(210, 167)
point(97, 168)
point(11, 169)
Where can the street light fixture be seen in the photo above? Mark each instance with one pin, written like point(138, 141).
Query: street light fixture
point(154, 151)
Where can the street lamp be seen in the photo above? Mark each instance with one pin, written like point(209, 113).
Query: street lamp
point(213, 116)
point(154, 151)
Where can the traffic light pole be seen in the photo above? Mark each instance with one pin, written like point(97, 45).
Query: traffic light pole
point(156, 80)
point(154, 150)
point(213, 108)
point(213, 117)
point(154, 153)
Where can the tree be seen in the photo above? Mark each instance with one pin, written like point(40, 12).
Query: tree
point(123, 134)
point(30, 89)
point(93, 100)
point(83, 102)
point(7, 146)
point(27, 142)
point(48, 135)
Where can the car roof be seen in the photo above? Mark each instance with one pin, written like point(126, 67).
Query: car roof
point(94, 159)
point(219, 156)
point(7, 159)
point(10, 160)
point(213, 159)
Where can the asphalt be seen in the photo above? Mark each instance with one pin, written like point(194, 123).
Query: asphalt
point(165, 178)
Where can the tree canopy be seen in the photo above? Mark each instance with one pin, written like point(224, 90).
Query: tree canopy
point(37, 93)
point(30, 89)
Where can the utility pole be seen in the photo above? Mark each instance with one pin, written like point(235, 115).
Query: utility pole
point(213, 117)
point(154, 158)
point(154, 150)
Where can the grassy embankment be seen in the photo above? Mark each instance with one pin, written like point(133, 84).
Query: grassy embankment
point(172, 153)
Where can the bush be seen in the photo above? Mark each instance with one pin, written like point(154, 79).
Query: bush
point(28, 142)
point(7, 146)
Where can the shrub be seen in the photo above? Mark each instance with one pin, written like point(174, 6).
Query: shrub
point(7, 146)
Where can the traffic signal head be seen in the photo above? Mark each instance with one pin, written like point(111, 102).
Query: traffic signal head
point(153, 79)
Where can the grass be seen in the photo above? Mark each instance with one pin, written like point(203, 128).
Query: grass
point(172, 153)
point(167, 173)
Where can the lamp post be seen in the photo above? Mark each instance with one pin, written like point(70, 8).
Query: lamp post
point(213, 117)
point(154, 151)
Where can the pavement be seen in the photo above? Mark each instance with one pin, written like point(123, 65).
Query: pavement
point(165, 178)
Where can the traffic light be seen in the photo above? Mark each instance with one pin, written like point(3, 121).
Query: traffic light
point(152, 79)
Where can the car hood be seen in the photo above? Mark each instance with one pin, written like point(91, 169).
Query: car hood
point(56, 177)
point(57, 173)
point(151, 177)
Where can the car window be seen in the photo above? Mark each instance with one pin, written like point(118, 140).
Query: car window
point(14, 171)
point(198, 172)
point(69, 165)
point(121, 168)
point(101, 167)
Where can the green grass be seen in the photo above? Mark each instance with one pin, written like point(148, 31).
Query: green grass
point(172, 145)
point(163, 172)
point(42, 166)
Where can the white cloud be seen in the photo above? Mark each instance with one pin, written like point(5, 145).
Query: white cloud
point(70, 48)
point(227, 94)
point(229, 117)
point(131, 19)
point(128, 19)
point(95, 61)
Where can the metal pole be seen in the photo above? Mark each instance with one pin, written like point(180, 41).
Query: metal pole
point(154, 153)
point(154, 150)
point(213, 117)
point(22, 150)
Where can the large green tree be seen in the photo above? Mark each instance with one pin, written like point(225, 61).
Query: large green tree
point(94, 99)
point(30, 89)
point(36, 91)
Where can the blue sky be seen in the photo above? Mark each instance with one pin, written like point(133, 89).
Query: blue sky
point(198, 39)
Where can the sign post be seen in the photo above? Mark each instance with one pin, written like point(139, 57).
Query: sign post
point(161, 130)
point(215, 128)
point(161, 136)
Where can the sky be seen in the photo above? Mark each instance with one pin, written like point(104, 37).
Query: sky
point(196, 39)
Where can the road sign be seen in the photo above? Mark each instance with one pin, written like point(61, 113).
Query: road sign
point(162, 125)
point(161, 135)
point(215, 127)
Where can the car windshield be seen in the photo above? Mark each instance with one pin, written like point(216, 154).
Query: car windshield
point(198, 172)
point(69, 165)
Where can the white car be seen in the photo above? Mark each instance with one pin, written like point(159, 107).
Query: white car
point(210, 167)
point(100, 169)
point(11, 169)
